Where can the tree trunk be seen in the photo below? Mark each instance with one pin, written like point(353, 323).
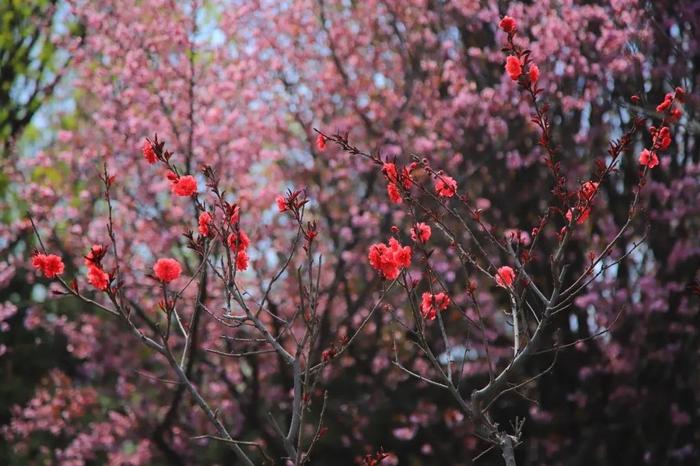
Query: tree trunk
point(508, 450)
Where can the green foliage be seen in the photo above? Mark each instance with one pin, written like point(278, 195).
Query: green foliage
point(30, 61)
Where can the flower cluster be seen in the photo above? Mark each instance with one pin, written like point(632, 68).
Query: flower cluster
point(397, 177)
point(521, 59)
point(582, 210)
point(431, 304)
point(661, 137)
point(96, 276)
point(239, 242)
point(204, 222)
point(148, 153)
point(181, 185)
point(49, 264)
point(667, 104)
point(389, 259)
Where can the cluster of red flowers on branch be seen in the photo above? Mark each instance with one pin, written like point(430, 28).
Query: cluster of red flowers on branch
point(431, 304)
point(186, 186)
point(204, 222)
point(96, 276)
point(180, 185)
point(167, 270)
point(475, 242)
point(582, 210)
point(397, 178)
point(661, 137)
point(222, 249)
point(389, 259)
point(49, 264)
point(239, 242)
point(516, 63)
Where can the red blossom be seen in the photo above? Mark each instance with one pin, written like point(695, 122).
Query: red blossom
point(394, 193)
point(94, 257)
point(241, 260)
point(392, 174)
point(238, 242)
point(49, 264)
point(507, 24)
point(421, 232)
point(445, 186)
point(648, 158)
point(167, 270)
point(662, 137)
point(666, 104)
point(184, 186)
point(663, 106)
point(389, 170)
point(320, 142)
point(432, 303)
point(513, 67)
point(281, 203)
point(505, 276)
point(389, 259)
point(149, 153)
point(533, 73)
point(97, 277)
point(205, 219)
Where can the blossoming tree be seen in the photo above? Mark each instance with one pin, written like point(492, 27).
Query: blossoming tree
point(484, 194)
